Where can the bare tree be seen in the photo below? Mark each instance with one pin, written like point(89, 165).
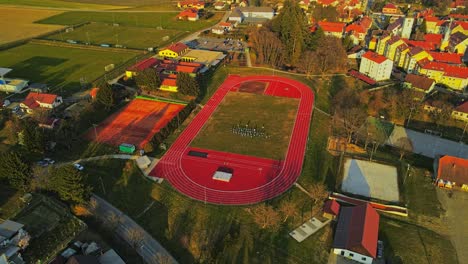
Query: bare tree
point(265, 216)
point(407, 103)
point(267, 46)
point(135, 236)
point(288, 209)
point(319, 194)
point(113, 220)
point(307, 63)
point(441, 112)
point(326, 60)
point(404, 146)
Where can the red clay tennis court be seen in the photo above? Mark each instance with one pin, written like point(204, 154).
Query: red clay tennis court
point(136, 124)
point(252, 179)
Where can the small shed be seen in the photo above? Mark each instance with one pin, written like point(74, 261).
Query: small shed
point(331, 209)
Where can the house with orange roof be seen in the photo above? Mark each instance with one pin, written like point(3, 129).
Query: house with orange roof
point(457, 43)
point(190, 14)
point(452, 173)
point(174, 50)
point(140, 66)
point(419, 83)
point(335, 29)
point(358, 30)
point(450, 58)
point(460, 26)
point(390, 9)
point(219, 5)
point(413, 56)
point(40, 100)
point(376, 66)
point(433, 24)
point(453, 77)
point(461, 112)
point(191, 4)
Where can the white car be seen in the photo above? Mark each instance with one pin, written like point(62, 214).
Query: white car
point(50, 161)
point(78, 166)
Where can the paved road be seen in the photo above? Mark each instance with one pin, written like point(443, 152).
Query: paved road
point(147, 247)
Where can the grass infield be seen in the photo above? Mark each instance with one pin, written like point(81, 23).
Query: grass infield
point(276, 114)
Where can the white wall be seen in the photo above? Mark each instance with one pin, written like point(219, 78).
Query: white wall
point(377, 71)
point(407, 27)
point(353, 255)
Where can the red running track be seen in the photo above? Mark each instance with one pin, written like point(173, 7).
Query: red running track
point(254, 179)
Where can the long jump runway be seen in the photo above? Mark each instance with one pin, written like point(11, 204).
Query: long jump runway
point(254, 179)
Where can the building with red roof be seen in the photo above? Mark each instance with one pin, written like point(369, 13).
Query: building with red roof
point(461, 112)
point(331, 209)
point(390, 9)
point(453, 77)
point(174, 50)
point(419, 82)
point(190, 14)
point(376, 66)
point(335, 29)
point(168, 85)
point(140, 66)
point(40, 100)
point(191, 3)
point(450, 58)
point(433, 38)
point(452, 172)
point(356, 233)
point(358, 30)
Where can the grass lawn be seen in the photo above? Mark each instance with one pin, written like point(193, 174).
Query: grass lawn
point(276, 114)
point(59, 4)
point(131, 37)
point(406, 243)
point(150, 20)
point(60, 67)
point(10, 202)
point(180, 224)
point(421, 194)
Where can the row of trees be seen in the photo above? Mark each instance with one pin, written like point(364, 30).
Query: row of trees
point(67, 182)
point(148, 80)
point(287, 41)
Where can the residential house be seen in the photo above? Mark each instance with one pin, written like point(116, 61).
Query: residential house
point(226, 25)
point(50, 123)
point(13, 238)
point(452, 172)
point(413, 56)
point(454, 77)
point(174, 50)
point(373, 44)
point(432, 24)
point(140, 66)
point(449, 58)
point(400, 54)
point(169, 85)
point(407, 27)
point(331, 209)
point(419, 83)
point(219, 5)
point(396, 26)
point(40, 100)
point(11, 85)
point(358, 30)
point(457, 43)
point(390, 9)
point(382, 42)
point(191, 4)
point(376, 66)
point(190, 14)
point(460, 26)
point(218, 30)
point(356, 52)
point(38, 87)
point(335, 29)
point(236, 16)
point(356, 233)
point(461, 112)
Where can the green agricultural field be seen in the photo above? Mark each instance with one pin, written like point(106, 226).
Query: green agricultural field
point(151, 20)
point(60, 4)
point(277, 114)
point(60, 67)
point(130, 37)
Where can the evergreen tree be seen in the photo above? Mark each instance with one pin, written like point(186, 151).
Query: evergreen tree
point(187, 85)
point(69, 184)
point(105, 96)
point(148, 80)
point(15, 170)
point(33, 138)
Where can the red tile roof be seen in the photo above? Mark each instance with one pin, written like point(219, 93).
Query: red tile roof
point(462, 108)
point(177, 47)
point(33, 99)
point(362, 77)
point(225, 24)
point(331, 207)
point(452, 58)
point(453, 169)
point(332, 26)
point(93, 92)
point(357, 230)
point(435, 38)
point(458, 16)
point(390, 6)
point(419, 81)
point(422, 44)
point(169, 82)
point(144, 64)
point(449, 70)
point(186, 69)
point(370, 55)
point(191, 12)
point(432, 19)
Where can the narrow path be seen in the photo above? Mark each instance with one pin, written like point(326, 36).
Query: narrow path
point(144, 244)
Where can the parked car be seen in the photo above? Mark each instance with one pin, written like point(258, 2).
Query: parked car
point(42, 163)
point(78, 166)
point(50, 161)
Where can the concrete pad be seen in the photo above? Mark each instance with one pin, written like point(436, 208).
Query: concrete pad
point(307, 229)
point(370, 179)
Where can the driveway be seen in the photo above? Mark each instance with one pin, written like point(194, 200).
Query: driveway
point(456, 217)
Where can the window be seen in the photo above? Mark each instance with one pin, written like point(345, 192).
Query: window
point(342, 253)
point(351, 254)
point(363, 258)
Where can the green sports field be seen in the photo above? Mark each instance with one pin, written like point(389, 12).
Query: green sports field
point(60, 4)
point(130, 37)
point(276, 114)
point(166, 20)
point(60, 67)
